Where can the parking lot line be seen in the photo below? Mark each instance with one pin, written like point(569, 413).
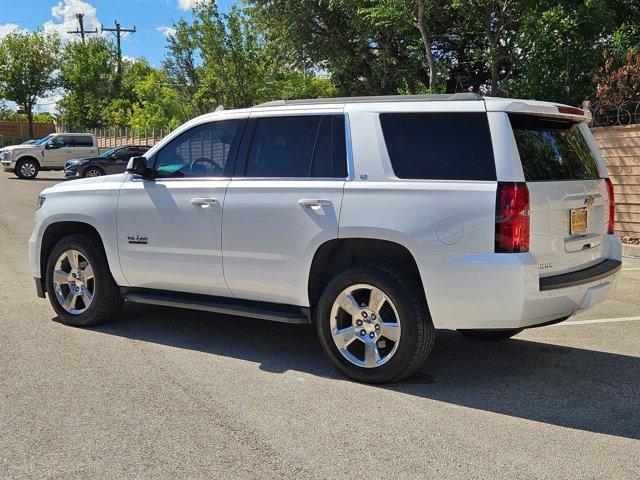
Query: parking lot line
point(598, 320)
point(630, 268)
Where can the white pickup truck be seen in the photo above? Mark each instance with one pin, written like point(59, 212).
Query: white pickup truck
point(47, 153)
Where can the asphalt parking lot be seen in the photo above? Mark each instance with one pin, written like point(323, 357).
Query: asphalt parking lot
point(167, 393)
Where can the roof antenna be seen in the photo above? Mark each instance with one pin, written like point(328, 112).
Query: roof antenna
point(219, 108)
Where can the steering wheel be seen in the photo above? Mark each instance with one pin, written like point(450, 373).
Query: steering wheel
point(210, 167)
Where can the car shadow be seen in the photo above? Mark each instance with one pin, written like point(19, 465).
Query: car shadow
point(39, 179)
point(564, 386)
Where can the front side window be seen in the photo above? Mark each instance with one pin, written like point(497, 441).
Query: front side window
point(203, 151)
point(439, 146)
point(298, 147)
point(552, 149)
point(61, 141)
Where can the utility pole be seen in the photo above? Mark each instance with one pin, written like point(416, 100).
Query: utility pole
point(82, 32)
point(119, 32)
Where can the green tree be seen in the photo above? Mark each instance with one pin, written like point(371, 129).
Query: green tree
point(27, 65)
point(87, 75)
point(159, 106)
point(365, 52)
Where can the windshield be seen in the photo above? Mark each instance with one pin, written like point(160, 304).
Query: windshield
point(43, 140)
point(109, 152)
point(552, 149)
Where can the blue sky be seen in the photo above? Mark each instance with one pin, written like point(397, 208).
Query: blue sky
point(152, 18)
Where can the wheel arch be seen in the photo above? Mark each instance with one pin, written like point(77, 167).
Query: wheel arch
point(28, 157)
point(54, 232)
point(335, 255)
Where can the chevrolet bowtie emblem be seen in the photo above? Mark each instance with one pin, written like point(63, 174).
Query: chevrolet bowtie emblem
point(589, 201)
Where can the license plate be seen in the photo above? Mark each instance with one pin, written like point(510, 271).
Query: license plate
point(578, 221)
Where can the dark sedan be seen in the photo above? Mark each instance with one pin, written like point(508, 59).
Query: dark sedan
point(111, 161)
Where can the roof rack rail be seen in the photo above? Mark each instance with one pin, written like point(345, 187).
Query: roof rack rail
point(463, 96)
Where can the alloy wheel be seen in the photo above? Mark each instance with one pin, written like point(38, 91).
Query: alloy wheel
point(27, 170)
point(73, 282)
point(365, 326)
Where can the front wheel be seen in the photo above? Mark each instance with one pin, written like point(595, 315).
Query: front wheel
point(489, 335)
point(92, 172)
point(374, 325)
point(79, 282)
point(27, 169)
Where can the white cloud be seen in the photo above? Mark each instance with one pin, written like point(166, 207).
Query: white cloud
point(64, 18)
point(7, 28)
point(189, 4)
point(166, 31)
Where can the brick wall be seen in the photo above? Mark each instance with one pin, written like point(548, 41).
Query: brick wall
point(12, 133)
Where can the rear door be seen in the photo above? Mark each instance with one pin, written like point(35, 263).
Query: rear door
point(282, 204)
point(568, 196)
point(118, 162)
point(83, 147)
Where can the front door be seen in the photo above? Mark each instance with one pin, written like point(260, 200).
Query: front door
point(284, 205)
point(169, 229)
point(58, 150)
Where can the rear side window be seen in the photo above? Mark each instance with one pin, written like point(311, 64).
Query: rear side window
point(552, 149)
point(298, 147)
point(83, 141)
point(439, 146)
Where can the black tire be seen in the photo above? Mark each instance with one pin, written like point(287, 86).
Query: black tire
point(98, 172)
point(27, 169)
point(106, 302)
point(417, 331)
point(489, 335)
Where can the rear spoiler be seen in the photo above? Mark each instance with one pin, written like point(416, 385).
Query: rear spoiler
point(546, 109)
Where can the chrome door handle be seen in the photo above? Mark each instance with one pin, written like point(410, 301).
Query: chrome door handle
point(203, 202)
point(314, 203)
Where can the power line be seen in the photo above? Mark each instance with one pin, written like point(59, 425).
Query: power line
point(82, 32)
point(119, 32)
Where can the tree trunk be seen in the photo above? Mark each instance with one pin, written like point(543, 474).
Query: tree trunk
point(29, 110)
point(427, 45)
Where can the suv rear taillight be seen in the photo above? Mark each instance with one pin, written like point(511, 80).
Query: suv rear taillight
point(512, 217)
point(612, 207)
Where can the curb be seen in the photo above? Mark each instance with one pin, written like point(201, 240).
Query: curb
point(629, 250)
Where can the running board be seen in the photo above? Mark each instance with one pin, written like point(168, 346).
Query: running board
point(230, 306)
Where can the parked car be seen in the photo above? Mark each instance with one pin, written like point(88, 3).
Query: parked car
point(378, 219)
point(108, 162)
point(47, 153)
point(29, 142)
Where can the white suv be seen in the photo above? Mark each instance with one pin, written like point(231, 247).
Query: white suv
point(47, 153)
point(378, 219)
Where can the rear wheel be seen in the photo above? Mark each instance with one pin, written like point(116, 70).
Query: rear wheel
point(374, 325)
point(27, 169)
point(79, 282)
point(489, 335)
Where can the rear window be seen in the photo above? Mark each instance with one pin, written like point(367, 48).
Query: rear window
point(552, 149)
point(439, 146)
point(82, 141)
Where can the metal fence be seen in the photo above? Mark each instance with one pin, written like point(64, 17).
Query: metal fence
point(116, 137)
point(607, 114)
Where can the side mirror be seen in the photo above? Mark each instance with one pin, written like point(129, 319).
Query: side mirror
point(138, 166)
point(47, 146)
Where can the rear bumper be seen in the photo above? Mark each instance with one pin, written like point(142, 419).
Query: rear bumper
point(504, 291)
point(588, 275)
